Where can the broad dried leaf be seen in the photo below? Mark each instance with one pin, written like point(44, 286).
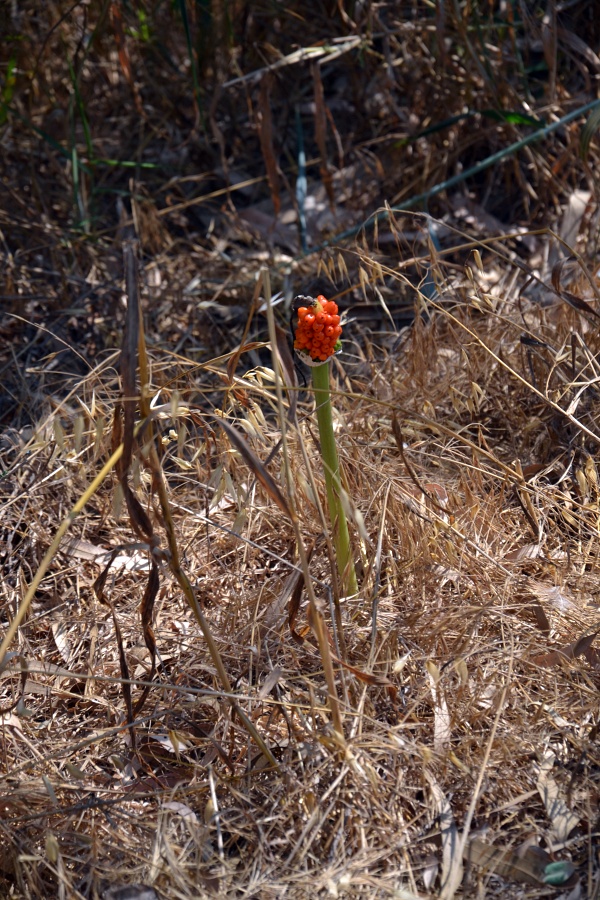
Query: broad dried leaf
point(182, 809)
point(580, 647)
point(529, 551)
point(270, 682)
point(82, 549)
point(573, 215)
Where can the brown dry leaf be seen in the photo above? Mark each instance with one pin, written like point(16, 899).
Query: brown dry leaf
point(265, 133)
point(573, 215)
point(580, 647)
point(270, 681)
point(528, 551)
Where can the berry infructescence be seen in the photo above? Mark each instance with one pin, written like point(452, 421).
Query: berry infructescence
point(317, 332)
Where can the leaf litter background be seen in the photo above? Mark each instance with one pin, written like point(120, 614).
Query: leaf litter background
point(467, 408)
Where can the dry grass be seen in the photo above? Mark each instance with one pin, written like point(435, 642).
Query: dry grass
point(473, 589)
point(469, 689)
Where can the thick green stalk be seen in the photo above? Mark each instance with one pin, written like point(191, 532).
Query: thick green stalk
point(341, 538)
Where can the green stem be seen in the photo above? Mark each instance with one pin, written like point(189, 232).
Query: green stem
point(320, 379)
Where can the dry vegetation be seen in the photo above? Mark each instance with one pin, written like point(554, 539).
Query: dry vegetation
point(467, 403)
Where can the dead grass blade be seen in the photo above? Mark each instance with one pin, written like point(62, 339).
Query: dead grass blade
point(125, 679)
point(572, 299)
point(53, 548)
point(370, 679)
point(265, 133)
point(296, 597)
point(244, 345)
point(256, 466)
point(9, 658)
point(289, 369)
point(116, 20)
point(452, 868)
point(321, 132)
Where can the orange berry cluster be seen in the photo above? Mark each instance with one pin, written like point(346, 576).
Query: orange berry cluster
point(318, 328)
